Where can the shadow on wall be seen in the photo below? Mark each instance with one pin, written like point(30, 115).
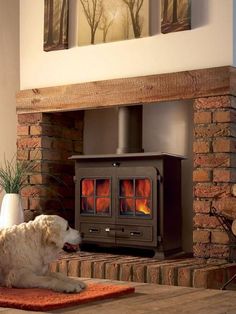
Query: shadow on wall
point(168, 127)
point(201, 13)
point(100, 131)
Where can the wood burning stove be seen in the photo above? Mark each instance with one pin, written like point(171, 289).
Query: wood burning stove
point(129, 200)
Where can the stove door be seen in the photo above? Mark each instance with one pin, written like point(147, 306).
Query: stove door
point(94, 203)
point(117, 205)
point(137, 206)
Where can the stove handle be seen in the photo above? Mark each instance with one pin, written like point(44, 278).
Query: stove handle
point(94, 230)
point(131, 233)
point(136, 233)
point(108, 229)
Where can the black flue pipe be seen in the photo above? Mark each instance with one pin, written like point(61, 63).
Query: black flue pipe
point(130, 129)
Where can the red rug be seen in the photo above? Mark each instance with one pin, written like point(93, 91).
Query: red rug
point(43, 300)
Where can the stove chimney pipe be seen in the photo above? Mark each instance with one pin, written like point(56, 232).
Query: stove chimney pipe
point(130, 129)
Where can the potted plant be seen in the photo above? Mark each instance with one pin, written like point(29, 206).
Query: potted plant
point(13, 178)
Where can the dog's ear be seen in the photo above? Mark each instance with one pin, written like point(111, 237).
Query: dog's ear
point(51, 232)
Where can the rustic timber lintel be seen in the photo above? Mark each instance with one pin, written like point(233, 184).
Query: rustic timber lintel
point(137, 90)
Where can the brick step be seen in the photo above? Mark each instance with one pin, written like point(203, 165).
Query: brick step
point(187, 272)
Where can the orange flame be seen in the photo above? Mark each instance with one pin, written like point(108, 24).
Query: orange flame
point(87, 187)
point(127, 188)
point(142, 206)
point(102, 189)
point(142, 195)
point(102, 205)
point(143, 187)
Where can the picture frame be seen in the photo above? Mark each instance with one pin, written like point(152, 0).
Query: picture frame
point(56, 16)
point(114, 20)
point(175, 15)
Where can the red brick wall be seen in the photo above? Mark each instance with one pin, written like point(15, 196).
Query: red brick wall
point(214, 174)
point(50, 138)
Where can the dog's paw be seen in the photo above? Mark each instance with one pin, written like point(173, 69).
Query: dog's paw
point(71, 287)
point(76, 281)
point(81, 284)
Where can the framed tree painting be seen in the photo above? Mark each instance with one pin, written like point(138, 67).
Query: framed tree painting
point(175, 15)
point(56, 24)
point(102, 21)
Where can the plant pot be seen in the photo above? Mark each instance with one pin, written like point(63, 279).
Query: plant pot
point(11, 210)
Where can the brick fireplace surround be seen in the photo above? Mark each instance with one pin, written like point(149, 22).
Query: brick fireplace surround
point(50, 129)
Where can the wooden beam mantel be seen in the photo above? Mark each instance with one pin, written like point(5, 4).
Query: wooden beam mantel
point(127, 91)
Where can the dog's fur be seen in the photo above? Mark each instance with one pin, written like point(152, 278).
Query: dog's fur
point(26, 251)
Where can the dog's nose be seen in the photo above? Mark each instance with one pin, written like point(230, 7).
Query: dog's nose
point(68, 247)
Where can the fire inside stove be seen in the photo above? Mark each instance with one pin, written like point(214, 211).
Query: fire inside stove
point(96, 196)
point(134, 197)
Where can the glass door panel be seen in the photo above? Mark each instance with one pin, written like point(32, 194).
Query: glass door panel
point(127, 206)
point(127, 188)
point(87, 205)
point(135, 197)
point(95, 196)
point(87, 187)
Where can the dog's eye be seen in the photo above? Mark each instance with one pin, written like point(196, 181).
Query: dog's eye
point(68, 227)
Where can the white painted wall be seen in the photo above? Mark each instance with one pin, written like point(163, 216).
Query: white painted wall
point(208, 44)
point(234, 32)
point(9, 75)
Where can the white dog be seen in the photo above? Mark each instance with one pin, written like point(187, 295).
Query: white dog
point(26, 251)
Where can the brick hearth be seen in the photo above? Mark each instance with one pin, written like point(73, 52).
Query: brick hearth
point(187, 272)
point(50, 137)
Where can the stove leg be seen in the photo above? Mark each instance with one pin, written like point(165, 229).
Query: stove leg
point(159, 255)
